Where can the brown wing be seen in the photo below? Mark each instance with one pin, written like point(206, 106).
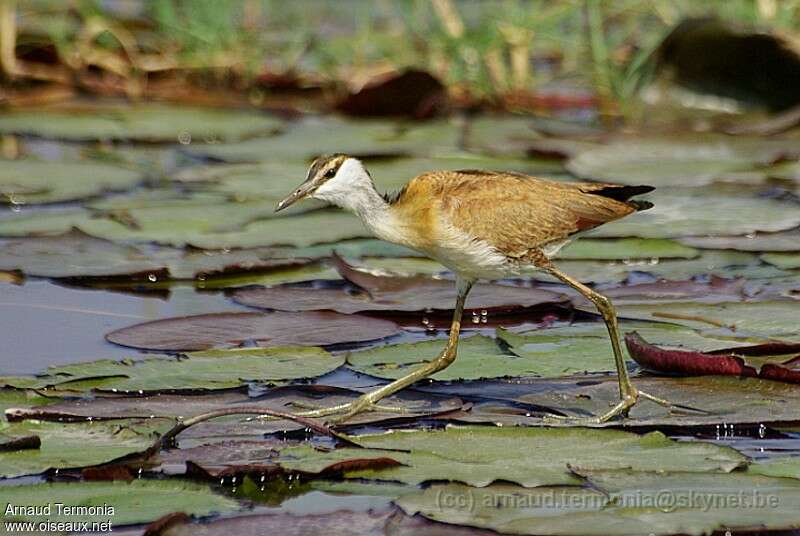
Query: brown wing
point(517, 213)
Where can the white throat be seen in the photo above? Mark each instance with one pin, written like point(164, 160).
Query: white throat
point(352, 189)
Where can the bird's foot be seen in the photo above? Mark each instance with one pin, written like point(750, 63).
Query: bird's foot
point(620, 409)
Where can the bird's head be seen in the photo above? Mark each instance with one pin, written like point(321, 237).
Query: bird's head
point(334, 178)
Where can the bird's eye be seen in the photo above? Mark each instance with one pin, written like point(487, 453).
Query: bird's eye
point(330, 173)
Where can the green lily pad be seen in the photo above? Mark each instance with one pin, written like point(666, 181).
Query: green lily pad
point(313, 136)
point(31, 181)
point(478, 357)
point(681, 161)
point(771, 319)
point(727, 399)
point(780, 467)
point(681, 212)
point(321, 226)
point(139, 501)
point(42, 224)
point(144, 122)
point(727, 264)
point(526, 456)
point(621, 503)
point(586, 347)
point(781, 241)
point(18, 398)
point(627, 248)
point(787, 261)
point(67, 445)
point(212, 369)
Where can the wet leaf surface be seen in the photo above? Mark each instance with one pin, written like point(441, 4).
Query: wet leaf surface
point(621, 503)
point(202, 332)
point(695, 160)
point(781, 241)
point(211, 369)
point(26, 181)
point(775, 319)
point(77, 444)
point(310, 137)
point(172, 406)
point(679, 212)
point(626, 248)
point(146, 123)
point(723, 399)
point(139, 501)
point(526, 456)
point(337, 523)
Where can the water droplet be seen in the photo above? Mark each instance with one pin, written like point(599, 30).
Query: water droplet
point(141, 391)
point(475, 318)
point(184, 138)
point(484, 312)
point(263, 478)
point(762, 431)
point(152, 278)
point(233, 480)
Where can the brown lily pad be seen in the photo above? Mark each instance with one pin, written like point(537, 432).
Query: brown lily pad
point(219, 330)
point(725, 362)
point(395, 293)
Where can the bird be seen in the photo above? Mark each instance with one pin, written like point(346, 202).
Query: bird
point(479, 224)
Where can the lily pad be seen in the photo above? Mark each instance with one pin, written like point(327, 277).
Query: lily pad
point(202, 332)
point(776, 319)
point(312, 136)
point(139, 501)
point(26, 181)
point(723, 398)
point(76, 444)
point(334, 523)
point(388, 293)
point(679, 212)
point(526, 456)
point(75, 254)
point(627, 248)
point(682, 161)
point(620, 503)
point(586, 347)
point(781, 241)
point(724, 264)
point(478, 357)
point(145, 122)
point(742, 361)
point(787, 261)
point(781, 467)
point(174, 406)
point(212, 369)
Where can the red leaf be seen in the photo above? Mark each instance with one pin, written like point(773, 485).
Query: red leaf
point(719, 362)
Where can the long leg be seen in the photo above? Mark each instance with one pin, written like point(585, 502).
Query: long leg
point(442, 361)
point(628, 394)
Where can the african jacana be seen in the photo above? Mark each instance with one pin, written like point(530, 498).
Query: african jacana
point(481, 225)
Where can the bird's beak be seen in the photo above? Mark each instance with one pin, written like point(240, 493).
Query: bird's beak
point(302, 191)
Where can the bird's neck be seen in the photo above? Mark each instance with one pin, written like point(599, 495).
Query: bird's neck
point(374, 211)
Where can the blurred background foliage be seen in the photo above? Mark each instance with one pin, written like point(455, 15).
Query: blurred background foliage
point(515, 53)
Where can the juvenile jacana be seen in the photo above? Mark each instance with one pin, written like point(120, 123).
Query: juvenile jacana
point(481, 225)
